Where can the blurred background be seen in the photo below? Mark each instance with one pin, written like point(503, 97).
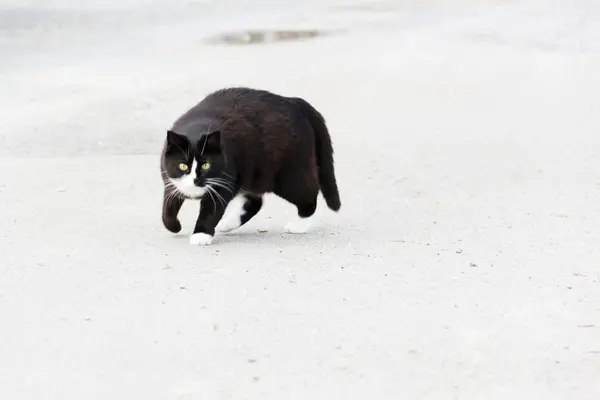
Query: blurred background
point(464, 261)
point(109, 76)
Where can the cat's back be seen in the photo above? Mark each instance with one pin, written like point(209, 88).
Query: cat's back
point(215, 108)
point(245, 113)
point(244, 100)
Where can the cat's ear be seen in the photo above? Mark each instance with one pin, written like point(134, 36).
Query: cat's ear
point(176, 143)
point(176, 139)
point(211, 142)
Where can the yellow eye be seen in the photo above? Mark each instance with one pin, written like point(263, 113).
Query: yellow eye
point(205, 166)
point(183, 167)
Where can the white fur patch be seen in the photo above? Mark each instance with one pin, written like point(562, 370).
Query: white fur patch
point(201, 239)
point(299, 225)
point(233, 214)
point(186, 184)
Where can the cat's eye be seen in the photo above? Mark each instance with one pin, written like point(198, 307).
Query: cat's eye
point(205, 166)
point(183, 167)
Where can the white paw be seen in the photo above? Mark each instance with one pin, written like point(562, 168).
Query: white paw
point(228, 224)
point(233, 215)
point(299, 225)
point(201, 239)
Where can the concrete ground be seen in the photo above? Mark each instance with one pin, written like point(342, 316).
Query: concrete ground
point(463, 264)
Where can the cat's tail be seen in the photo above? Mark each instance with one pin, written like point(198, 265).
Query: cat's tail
point(324, 152)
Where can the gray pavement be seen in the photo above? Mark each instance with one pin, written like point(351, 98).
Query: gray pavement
point(463, 264)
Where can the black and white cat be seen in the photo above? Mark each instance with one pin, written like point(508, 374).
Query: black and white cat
point(238, 144)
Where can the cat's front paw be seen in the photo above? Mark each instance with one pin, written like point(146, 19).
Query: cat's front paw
point(227, 225)
point(172, 224)
point(201, 239)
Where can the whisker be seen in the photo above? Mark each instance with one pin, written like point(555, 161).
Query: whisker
point(232, 177)
point(172, 191)
point(218, 184)
point(231, 187)
point(221, 199)
point(205, 139)
point(223, 180)
point(170, 185)
point(186, 154)
point(217, 195)
point(171, 195)
point(213, 199)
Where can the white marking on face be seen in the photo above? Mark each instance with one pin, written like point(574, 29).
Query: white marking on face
point(201, 239)
point(233, 214)
point(299, 225)
point(186, 184)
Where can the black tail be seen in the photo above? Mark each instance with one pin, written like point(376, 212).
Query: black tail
point(324, 152)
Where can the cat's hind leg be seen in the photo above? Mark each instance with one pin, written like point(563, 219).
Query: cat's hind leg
point(239, 211)
point(304, 219)
point(300, 189)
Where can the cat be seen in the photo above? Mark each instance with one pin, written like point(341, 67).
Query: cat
point(238, 144)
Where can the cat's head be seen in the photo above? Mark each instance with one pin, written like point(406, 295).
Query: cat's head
point(193, 167)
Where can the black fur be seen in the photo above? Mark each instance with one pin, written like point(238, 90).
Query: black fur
point(257, 142)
